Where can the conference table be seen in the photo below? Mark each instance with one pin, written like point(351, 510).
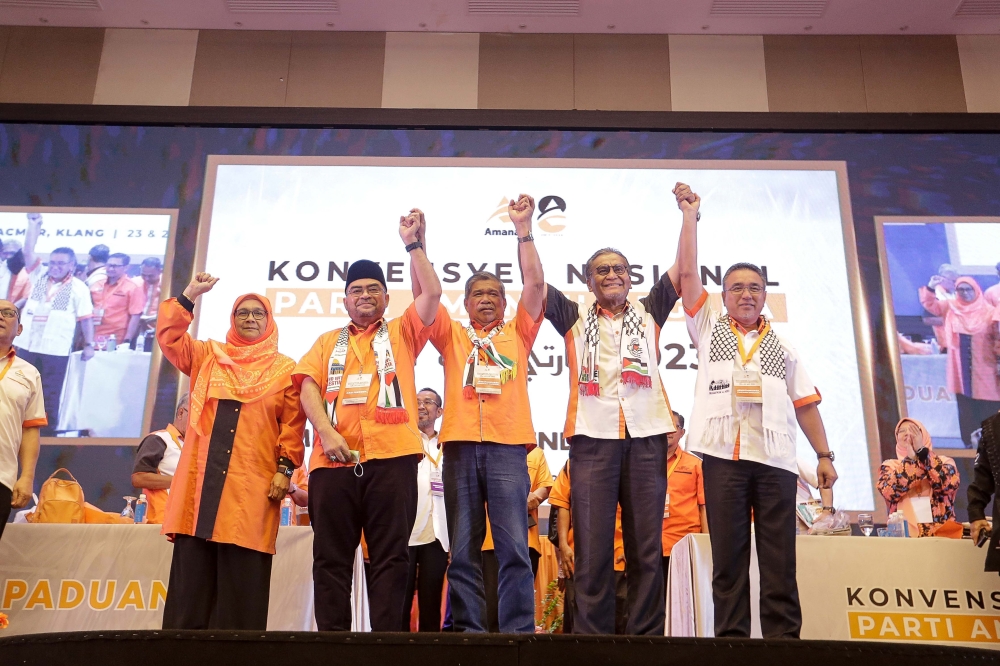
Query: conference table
point(105, 395)
point(858, 588)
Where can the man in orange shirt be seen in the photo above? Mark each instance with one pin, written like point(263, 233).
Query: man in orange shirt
point(541, 483)
point(684, 511)
point(484, 432)
point(156, 461)
point(118, 302)
point(149, 280)
point(359, 393)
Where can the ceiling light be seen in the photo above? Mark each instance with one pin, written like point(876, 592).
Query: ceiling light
point(329, 24)
point(904, 27)
point(611, 26)
point(144, 21)
point(238, 24)
point(43, 20)
point(808, 27)
point(522, 26)
point(704, 27)
point(423, 25)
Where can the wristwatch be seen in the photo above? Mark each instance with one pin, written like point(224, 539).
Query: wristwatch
point(827, 454)
point(413, 246)
point(525, 239)
point(287, 471)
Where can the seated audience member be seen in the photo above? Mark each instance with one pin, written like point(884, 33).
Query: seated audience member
point(907, 346)
point(541, 482)
point(684, 512)
point(986, 479)
point(95, 272)
point(149, 279)
point(156, 461)
point(428, 544)
point(917, 475)
point(118, 302)
point(559, 500)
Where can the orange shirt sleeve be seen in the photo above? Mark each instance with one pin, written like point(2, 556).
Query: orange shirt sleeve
point(315, 363)
point(559, 495)
point(172, 322)
point(292, 423)
point(414, 331)
point(527, 329)
point(541, 477)
point(439, 332)
point(136, 301)
point(700, 480)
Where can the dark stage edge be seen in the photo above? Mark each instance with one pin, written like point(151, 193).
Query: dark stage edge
point(250, 648)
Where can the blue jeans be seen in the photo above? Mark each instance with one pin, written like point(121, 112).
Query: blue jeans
point(477, 474)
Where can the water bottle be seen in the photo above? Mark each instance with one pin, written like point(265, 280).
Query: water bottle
point(140, 509)
point(112, 343)
point(286, 512)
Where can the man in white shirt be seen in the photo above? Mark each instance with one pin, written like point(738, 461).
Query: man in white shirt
point(55, 304)
point(751, 393)
point(429, 539)
point(21, 414)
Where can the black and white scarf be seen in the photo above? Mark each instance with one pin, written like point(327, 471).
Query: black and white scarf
point(633, 354)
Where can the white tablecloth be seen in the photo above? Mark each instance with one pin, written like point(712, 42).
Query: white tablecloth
point(90, 577)
point(857, 588)
point(106, 395)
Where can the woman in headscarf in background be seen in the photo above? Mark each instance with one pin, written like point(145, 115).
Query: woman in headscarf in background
point(244, 441)
point(971, 334)
point(917, 476)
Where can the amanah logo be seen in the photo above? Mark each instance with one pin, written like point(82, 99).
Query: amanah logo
point(717, 386)
point(550, 208)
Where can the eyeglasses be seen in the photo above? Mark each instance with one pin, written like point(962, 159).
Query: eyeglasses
point(429, 401)
point(61, 263)
point(371, 290)
point(738, 289)
point(965, 289)
point(9, 313)
point(605, 270)
point(114, 265)
point(243, 314)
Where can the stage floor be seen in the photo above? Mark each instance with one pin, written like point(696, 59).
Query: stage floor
point(248, 648)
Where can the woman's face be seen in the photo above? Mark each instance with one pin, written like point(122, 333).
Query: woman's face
point(965, 292)
point(907, 437)
point(251, 319)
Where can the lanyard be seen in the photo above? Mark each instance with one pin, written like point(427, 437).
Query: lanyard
point(435, 461)
point(352, 339)
point(739, 341)
point(677, 461)
point(10, 362)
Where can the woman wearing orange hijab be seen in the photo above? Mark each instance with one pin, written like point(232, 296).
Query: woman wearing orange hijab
point(918, 474)
point(244, 440)
point(971, 335)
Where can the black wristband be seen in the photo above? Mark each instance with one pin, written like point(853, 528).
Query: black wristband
point(186, 303)
point(413, 246)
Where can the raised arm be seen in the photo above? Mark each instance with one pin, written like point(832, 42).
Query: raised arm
point(688, 274)
point(425, 284)
point(930, 301)
point(532, 276)
point(31, 235)
point(174, 318)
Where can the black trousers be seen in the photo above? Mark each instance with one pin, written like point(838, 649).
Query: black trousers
point(666, 570)
point(216, 586)
point(621, 603)
point(53, 372)
point(732, 489)
point(5, 496)
point(569, 606)
point(603, 474)
point(428, 564)
point(383, 503)
point(971, 414)
point(491, 585)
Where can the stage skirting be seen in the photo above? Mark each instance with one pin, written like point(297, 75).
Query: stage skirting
point(114, 577)
point(855, 588)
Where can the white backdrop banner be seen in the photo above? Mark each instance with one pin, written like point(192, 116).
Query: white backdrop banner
point(290, 227)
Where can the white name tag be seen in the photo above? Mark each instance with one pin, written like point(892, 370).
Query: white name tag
point(747, 386)
point(487, 379)
point(356, 390)
point(666, 507)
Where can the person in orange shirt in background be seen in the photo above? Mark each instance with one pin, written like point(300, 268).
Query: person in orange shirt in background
point(298, 490)
point(541, 482)
point(149, 280)
point(156, 461)
point(484, 432)
point(118, 302)
point(559, 499)
point(242, 444)
point(684, 511)
point(359, 393)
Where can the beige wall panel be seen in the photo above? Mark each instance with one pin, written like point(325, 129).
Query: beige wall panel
point(241, 68)
point(912, 73)
point(426, 70)
point(622, 72)
point(980, 57)
point(814, 73)
point(51, 65)
point(525, 71)
point(336, 69)
point(717, 73)
point(146, 67)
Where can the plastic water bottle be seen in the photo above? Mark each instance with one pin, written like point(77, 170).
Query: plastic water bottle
point(112, 343)
point(140, 509)
point(897, 525)
point(286, 512)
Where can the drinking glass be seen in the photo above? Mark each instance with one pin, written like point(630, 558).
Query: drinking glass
point(127, 512)
point(866, 523)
